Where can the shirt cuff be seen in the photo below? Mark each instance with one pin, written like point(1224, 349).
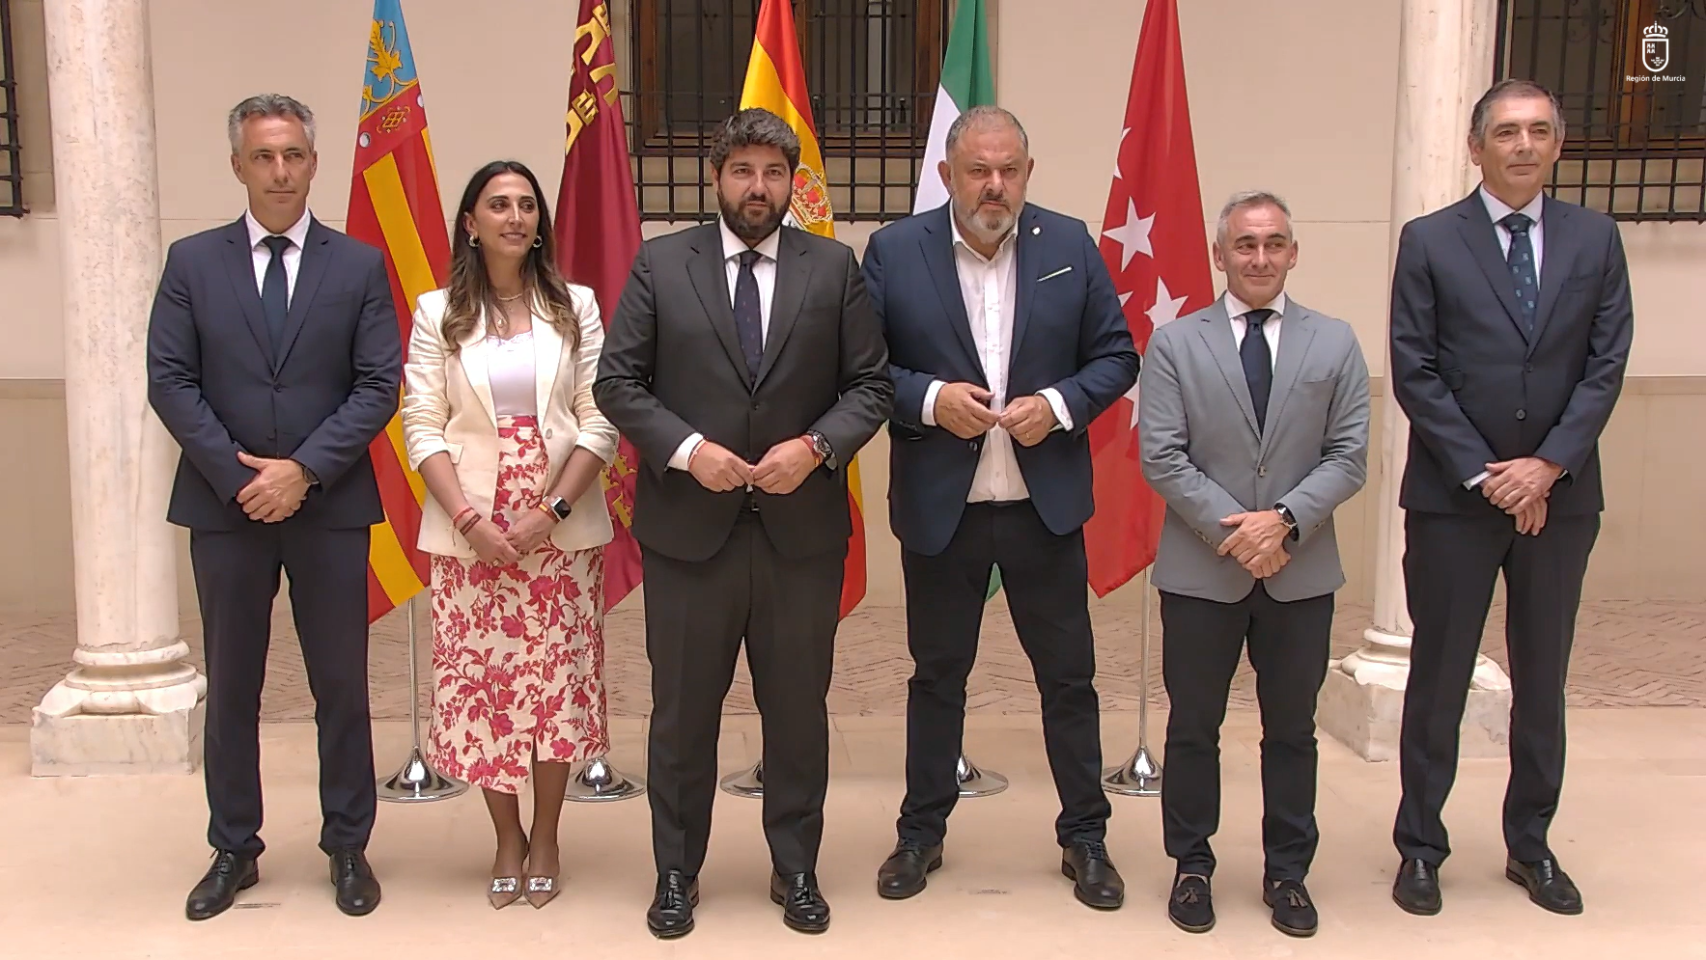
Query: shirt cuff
point(928, 414)
point(684, 453)
point(1475, 481)
point(1056, 402)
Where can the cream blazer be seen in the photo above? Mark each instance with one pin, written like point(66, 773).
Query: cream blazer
point(448, 407)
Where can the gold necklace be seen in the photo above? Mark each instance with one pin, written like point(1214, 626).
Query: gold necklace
point(518, 296)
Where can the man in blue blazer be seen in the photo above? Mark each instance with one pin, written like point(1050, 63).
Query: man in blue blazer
point(1006, 340)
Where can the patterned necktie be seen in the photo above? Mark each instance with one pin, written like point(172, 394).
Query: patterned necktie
point(1258, 364)
point(275, 291)
point(749, 316)
point(1521, 261)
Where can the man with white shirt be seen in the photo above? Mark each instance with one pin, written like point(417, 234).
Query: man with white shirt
point(744, 363)
point(1511, 326)
point(274, 360)
point(1253, 427)
point(1006, 340)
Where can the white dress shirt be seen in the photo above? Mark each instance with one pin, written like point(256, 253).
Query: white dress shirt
point(1236, 309)
point(262, 254)
point(512, 368)
point(989, 286)
point(1498, 210)
point(764, 271)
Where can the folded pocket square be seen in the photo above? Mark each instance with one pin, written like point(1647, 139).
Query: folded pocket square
point(1055, 274)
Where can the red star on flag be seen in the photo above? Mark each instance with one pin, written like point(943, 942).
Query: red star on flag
point(1156, 248)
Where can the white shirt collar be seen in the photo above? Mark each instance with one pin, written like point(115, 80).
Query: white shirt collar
point(734, 246)
point(960, 240)
point(1236, 308)
point(298, 233)
point(1498, 210)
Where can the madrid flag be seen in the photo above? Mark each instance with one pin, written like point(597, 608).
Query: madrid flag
point(776, 81)
point(393, 205)
point(598, 234)
point(1154, 244)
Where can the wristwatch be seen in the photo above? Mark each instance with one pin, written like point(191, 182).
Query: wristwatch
point(820, 443)
point(557, 505)
point(1287, 518)
point(308, 474)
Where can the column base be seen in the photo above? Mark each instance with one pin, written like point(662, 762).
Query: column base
point(164, 736)
point(1362, 703)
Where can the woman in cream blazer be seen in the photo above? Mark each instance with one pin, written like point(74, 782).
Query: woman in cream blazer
point(500, 422)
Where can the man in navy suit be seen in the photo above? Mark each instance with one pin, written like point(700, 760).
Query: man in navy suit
point(274, 359)
point(1006, 340)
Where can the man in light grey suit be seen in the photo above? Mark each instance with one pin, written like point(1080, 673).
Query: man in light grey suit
point(1253, 420)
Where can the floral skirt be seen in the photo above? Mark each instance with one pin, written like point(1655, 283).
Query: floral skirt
point(517, 651)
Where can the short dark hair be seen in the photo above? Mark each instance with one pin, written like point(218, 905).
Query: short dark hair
point(755, 127)
point(1506, 90)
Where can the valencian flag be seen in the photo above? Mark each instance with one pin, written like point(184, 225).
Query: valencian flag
point(393, 205)
point(598, 235)
point(1156, 248)
point(776, 81)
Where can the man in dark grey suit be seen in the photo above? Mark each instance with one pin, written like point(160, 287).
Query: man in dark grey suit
point(1253, 425)
point(274, 359)
point(747, 367)
point(1511, 325)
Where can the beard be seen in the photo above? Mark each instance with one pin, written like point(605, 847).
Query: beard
point(749, 224)
point(988, 225)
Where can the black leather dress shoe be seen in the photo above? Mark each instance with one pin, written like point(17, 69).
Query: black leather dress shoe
point(671, 912)
point(903, 874)
point(356, 886)
point(1548, 885)
point(1294, 910)
point(1416, 888)
point(1095, 882)
point(1191, 905)
point(218, 888)
point(803, 907)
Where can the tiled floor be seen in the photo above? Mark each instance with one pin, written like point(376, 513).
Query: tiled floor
point(1627, 653)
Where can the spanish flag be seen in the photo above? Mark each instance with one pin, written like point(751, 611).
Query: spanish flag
point(393, 205)
point(776, 81)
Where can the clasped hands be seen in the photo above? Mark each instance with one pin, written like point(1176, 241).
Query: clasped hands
point(275, 492)
point(1520, 487)
point(963, 410)
point(781, 470)
point(1259, 542)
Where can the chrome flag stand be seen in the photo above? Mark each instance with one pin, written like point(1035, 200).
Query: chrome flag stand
point(598, 781)
point(1141, 775)
point(417, 781)
point(749, 783)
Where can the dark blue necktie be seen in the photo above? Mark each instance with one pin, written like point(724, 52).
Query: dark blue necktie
point(749, 315)
point(275, 290)
point(1521, 261)
point(1258, 364)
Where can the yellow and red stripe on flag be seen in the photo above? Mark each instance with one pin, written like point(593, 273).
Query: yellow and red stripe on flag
point(394, 206)
point(776, 81)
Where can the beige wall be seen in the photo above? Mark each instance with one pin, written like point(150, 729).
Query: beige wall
point(1296, 98)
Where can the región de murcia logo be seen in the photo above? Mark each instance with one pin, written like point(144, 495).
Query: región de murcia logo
point(1655, 56)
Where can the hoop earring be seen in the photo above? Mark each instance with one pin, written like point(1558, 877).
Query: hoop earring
point(538, 241)
point(473, 241)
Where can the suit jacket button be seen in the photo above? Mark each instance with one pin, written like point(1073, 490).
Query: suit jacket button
point(278, 388)
point(1522, 414)
point(1262, 471)
point(547, 433)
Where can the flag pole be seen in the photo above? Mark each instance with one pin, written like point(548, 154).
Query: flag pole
point(416, 781)
point(1141, 775)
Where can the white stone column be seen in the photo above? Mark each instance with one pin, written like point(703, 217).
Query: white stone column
point(131, 704)
point(1445, 63)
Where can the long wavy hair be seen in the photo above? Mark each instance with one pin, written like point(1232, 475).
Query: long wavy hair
point(470, 291)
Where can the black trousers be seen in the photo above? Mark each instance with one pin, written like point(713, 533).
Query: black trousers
point(1450, 566)
point(787, 610)
point(1044, 578)
point(237, 577)
point(1288, 647)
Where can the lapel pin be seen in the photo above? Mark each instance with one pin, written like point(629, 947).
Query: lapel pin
point(1036, 230)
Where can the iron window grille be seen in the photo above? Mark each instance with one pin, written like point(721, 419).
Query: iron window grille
point(11, 158)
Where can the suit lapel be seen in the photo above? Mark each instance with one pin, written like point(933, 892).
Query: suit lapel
point(1027, 243)
point(1558, 252)
point(711, 283)
point(793, 275)
point(475, 357)
point(938, 250)
point(1478, 231)
point(1297, 331)
point(1217, 333)
point(547, 361)
point(316, 254)
point(240, 268)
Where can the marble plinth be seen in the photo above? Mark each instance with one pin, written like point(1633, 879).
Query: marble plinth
point(94, 745)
